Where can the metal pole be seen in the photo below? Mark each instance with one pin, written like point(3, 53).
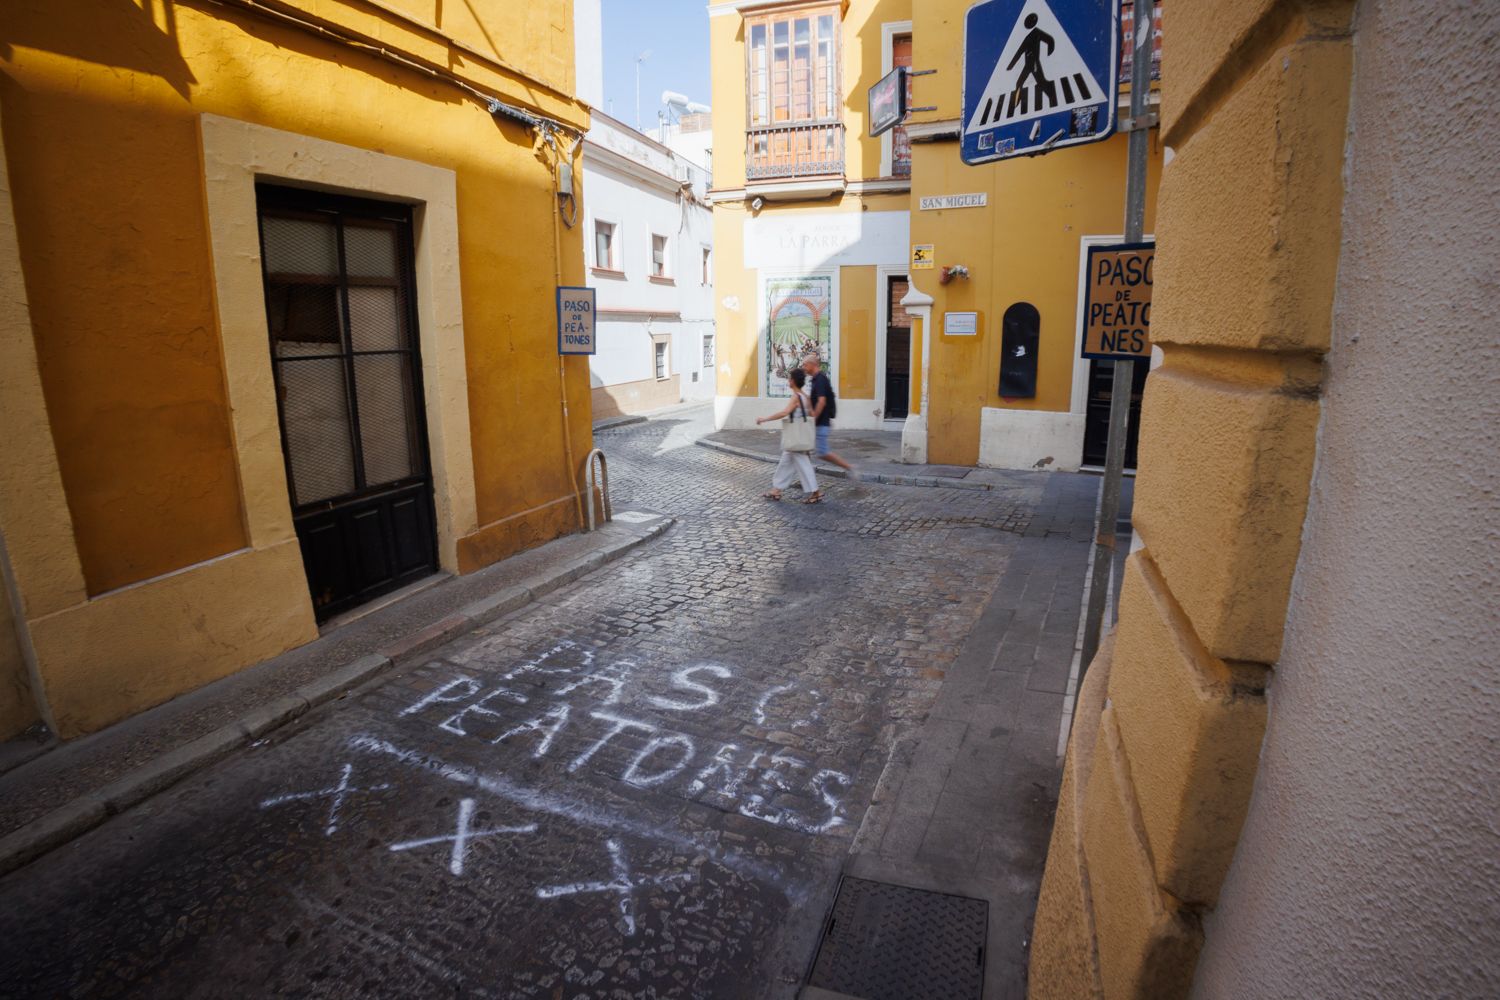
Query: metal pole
point(638, 60)
point(1119, 390)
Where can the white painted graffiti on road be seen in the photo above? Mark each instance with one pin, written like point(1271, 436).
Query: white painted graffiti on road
point(771, 785)
point(622, 882)
point(461, 836)
point(577, 809)
point(335, 794)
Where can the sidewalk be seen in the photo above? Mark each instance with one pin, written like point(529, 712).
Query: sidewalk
point(72, 787)
point(965, 803)
point(875, 455)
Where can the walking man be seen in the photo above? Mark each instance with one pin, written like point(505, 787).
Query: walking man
point(825, 408)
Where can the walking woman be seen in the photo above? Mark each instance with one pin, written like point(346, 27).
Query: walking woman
point(797, 440)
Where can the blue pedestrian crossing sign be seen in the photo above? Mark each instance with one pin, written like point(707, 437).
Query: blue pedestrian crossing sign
point(1039, 75)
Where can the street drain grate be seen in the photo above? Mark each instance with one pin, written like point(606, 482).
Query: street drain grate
point(888, 942)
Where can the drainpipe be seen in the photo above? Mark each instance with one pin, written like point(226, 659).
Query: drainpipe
point(914, 431)
point(562, 382)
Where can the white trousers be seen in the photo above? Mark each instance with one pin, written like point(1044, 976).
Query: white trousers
point(793, 465)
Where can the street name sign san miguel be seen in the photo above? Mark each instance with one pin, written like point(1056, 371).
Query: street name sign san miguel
point(1038, 76)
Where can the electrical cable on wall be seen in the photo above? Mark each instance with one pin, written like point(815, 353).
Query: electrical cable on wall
point(571, 194)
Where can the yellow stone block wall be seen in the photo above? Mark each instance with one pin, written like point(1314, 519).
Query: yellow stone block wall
point(1254, 107)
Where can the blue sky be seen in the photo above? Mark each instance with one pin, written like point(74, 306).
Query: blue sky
point(675, 32)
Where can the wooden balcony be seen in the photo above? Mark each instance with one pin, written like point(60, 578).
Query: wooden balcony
point(790, 151)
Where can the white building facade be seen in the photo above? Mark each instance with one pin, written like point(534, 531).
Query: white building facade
point(648, 232)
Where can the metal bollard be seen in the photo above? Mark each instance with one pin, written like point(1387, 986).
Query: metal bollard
point(601, 481)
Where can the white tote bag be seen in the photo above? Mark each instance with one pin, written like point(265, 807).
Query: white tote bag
point(797, 432)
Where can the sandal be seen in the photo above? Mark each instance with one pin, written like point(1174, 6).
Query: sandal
point(816, 496)
point(773, 495)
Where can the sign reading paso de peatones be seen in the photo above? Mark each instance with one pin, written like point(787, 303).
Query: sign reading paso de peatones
point(1117, 301)
point(575, 321)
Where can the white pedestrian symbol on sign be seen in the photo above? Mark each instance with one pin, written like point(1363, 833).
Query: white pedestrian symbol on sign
point(1039, 72)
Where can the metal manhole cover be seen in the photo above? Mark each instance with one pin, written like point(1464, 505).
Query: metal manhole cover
point(888, 942)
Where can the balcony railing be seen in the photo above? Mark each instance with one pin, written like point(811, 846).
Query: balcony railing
point(803, 149)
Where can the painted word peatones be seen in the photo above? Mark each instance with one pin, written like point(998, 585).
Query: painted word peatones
point(765, 783)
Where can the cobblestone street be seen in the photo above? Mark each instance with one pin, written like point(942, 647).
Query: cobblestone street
point(644, 784)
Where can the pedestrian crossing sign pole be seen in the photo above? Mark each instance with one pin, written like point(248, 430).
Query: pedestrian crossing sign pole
point(1038, 75)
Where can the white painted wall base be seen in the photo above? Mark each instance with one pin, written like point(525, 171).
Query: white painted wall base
point(739, 412)
point(914, 440)
point(1030, 439)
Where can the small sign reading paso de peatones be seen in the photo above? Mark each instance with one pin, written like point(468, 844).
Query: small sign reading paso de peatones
point(575, 321)
point(1117, 301)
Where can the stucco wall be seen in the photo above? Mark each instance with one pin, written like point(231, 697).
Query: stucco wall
point(1369, 859)
point(143, 530)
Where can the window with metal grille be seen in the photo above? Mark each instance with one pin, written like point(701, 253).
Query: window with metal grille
point(661, 359)
point(340, 310)
point(1127, 42)
point(792, 94)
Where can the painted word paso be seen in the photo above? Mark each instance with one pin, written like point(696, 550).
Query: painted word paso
point(1117, 301)
point(568, 705)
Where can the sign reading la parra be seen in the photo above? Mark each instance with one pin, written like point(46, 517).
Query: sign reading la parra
point(575, 321)
point(1117, 301)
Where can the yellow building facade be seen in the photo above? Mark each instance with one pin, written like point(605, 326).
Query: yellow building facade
point(817, 212)
point(272, 338)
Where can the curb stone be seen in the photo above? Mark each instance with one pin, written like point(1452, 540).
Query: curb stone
point(935, 482)
point(52, 830)
point(262, 720)
point(612, 422)
point(169, 768)
point(68, 822)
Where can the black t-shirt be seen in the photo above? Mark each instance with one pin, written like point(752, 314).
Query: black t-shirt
point(821, 388)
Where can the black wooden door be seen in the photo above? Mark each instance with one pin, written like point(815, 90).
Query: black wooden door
point(897, 351)
point(1096, 413)
point(341, 309)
